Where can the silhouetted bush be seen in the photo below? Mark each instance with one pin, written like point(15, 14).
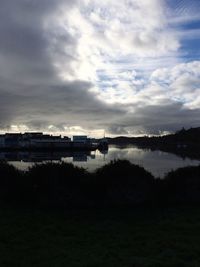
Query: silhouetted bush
point(118, 183)
point(57, 183)
point(182, 186)
point(121, 182)
point(12, 183)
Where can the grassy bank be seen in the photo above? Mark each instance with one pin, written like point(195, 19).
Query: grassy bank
point(118, 237)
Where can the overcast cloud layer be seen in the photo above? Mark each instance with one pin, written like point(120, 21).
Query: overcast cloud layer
point(85, 66)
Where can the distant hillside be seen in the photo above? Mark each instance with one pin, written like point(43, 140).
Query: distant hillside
point(184, 143)
point(192, 135)
point(182, 137)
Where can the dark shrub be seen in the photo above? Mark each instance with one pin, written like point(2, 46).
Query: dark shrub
point(182, 186)
point(57, 183)
point(121, 182)
point(12, 183)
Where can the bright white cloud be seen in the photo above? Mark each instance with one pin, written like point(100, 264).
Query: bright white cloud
point(181, 83)
point(110, 31)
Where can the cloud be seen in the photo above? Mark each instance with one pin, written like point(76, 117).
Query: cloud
point(182, 82)
point(87, 65)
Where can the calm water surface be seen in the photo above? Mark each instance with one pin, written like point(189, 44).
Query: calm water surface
point(156, 162)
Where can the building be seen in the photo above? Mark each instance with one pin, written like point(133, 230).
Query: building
point(38, 140)
point(81, 139)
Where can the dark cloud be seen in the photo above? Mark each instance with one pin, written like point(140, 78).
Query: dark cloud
point(66, 104)
point(30, 90)
point(155, 119)
point(27, 47)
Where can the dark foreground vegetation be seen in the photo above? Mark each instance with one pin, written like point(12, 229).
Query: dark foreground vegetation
point(118, 183)
point(61, 215)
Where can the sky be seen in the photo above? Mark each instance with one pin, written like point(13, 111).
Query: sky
point(128, 67)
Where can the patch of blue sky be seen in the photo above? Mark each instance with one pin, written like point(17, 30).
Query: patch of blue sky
point(190, 49)
point(190, 25)
point(179, 99)
point(183, 6)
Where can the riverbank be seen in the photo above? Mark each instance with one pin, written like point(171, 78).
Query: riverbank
point(166, 237)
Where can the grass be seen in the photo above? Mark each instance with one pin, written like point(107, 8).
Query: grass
point(140, 238)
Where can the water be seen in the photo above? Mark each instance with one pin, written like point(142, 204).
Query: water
point(156, 162)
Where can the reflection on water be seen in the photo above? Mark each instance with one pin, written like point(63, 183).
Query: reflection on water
point(157, 162)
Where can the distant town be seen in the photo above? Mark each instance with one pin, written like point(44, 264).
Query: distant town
point(38, 140)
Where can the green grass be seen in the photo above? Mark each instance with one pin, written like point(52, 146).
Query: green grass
point(132, 238)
